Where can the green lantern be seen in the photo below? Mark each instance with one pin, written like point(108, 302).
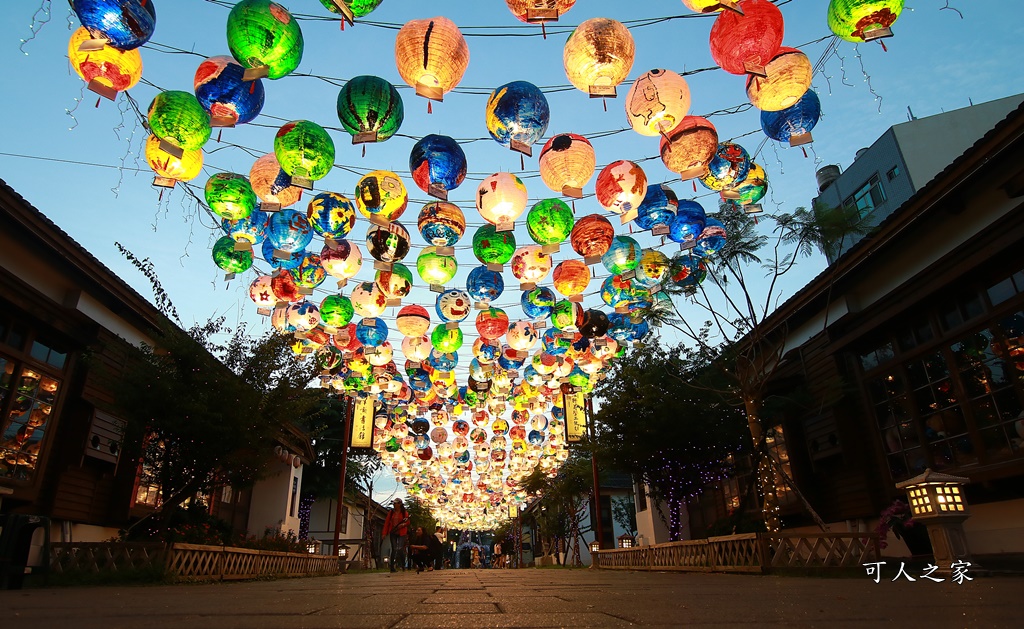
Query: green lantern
point(359, 8)
point(550, 221)
point(178, 118)
point(336, 311)
point(370, 106)
point(262, 34)
point(304, 149)
point(493, 247)
point(230, 196)
point(231, 261)
point(446, 341)
point(863, 20)
point(435, 268)
point(566, 315)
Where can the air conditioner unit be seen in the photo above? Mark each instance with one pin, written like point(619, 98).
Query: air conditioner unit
point(105, 435)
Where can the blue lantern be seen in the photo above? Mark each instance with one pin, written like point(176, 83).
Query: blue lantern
point(293, 260)
point(126, 24)
point(252, 228)
point(288, 230)
point(453, 305)
point(711, 240)
point(437, 160)
point(657, 208)
point(517, 111)
point(620, 327)
point(443, 362)
point(794, 124)
point(554, 343)
point(538, 302)
point(372, 335)
point(688, 222)
point(688, 271)
point(727, 168)
point(509, 359)
point(223, 94)
point(331, 215)
point(484, 285)
point(622, 256)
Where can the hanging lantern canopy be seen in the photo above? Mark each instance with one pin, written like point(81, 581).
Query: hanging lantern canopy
point(484, 285)
point(264, 37)
point(230, 196)
point(381, 196)
point(432, 55)
point(271, 184)
point(434, 268)
point(795, 123)
point(549, 222)
point(441, 224)
point(396, 282)
point(863, 20)
point(566, 316)
point(598, 56)
point(358, 8)
point(229, 260)
point(517, 115)
point(336, 311)
point(689, 148)
point(745, 42)
point(372, 331)
point(224, 93)
point(413, 321)
point(753, 188)
point(711, 240)
point(621, 186)
point(179, 119)
point(571, 277)
point(370, 109)
point(530, 264)
point(342, 259)
point(331, 215)
point(688, 221)
point(368, 299)
point(282, 260)
point(169, 168)
point(305, 151)
point(658, 208)
point(657, 102)
point(567, 163)
point(493, 247)
point(539, 11)
point(123, 24)
point(107, 70)
point(729, 167)
point(622, 256)
point(788, 78)
point(302, 317)
point(446, 340)
point(537, 302)
point(251, 229)
point(654, 268)
point(501, 199)
point(438, 165)
point(289, 230)
point(388, 244)
point(592, 236)
point(453, 305)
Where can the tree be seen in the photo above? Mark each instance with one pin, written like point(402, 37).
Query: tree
point(624, 514)
point(562, 505)
point(419, 515)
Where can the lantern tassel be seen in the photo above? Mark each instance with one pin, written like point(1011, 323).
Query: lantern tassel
point(218, 135)
point(430, 108)
point(543, 30)
point(342, 25)
point(364, 150)
point(522, 164)
point(98, 102)
point(573, 206)
point(694, 185)
point(605, 101)
point(161, 195)
point(805, 152)
point(884, 49)
point(252, 87)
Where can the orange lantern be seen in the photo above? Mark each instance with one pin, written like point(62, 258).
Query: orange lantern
point(271, 184)
point(539, 11)
point(788, 78)
point(571, 277)
point(169, 168)
point(432, 55)
point(107, 70)
point(657, 102)
point(567, 163)
point(690, 147)
point(598, 56)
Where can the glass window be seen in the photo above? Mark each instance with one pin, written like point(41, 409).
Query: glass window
point(1002, 291)
point(28, 399)
point(893, 173)
point(865, 200)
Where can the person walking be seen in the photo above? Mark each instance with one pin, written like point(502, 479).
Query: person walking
point(396, 528)
point(436, 545)
point(497, 555)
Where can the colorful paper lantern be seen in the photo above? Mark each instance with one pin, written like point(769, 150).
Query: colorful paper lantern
point(336, 311)
point(368, 300)
point(501, 198)
point(592, 236)
point(654, 268)
point(388, 244)
point(566, 316)
point(657, 102)
point(125, 24)
point(302, 316)
point(229, 260)
point(396, 282)
point(446, 340)
point(230, 196)
point(413, 321)
point(594, 324)
point(729, 167)
point(571, 277)
point(658, 208)
point(371, 108)
point(271, 184)
point(289, 230)
point(753, 188)
point(484, 285)
point(689, 147)
point(567, 163)
point(538, 302)
point(432, 55)
point(381, 196)
point(435, 268)
point(417, 349)
point(225, 94)
point(517, 112)
point(618, 292)
point(621, 186)
point(252, 228)
point(184, 168)
point(530, 264)
point(598, 56)
point(108, 67)
point(492, 323)
point(359, 8)
point(493, 247)
point(453, 305)
point(341, 259)
point(261, 293)
point(263, 34)
point(708, 6)
point(441, 224)
point(521, 336)
point(793, 124)
point(282, 260)
point(789, 77)
point(746, 42)
point(622, 256)
point(438, 164)
point(688, 271)
point(284, 287)
point(539, 10)
point(179, 119)
point(688, 222)
point(863, 20)
point(711, 240)
point(310, 272)
point(304, 149)
point(372, 331)
point(550, 222)
point(331, 215)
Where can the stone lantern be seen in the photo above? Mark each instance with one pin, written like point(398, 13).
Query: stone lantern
point(938, 501)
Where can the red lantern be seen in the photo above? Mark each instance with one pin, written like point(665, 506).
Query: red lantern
point(745, 42)
point(592, 236)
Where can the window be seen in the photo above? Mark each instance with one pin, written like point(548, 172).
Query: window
point(893, 173)
point(344, 519)
point(227, 494)
point(27, 398)
point(295, 497)
point(147, 486)
point(865, 200)
point(641, 496)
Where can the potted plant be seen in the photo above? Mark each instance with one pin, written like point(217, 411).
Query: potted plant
point(898, 519)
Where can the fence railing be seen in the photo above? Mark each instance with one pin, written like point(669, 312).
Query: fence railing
point(93, 558)
point(752, 552)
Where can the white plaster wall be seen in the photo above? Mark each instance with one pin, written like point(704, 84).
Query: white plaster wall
point(271, 501)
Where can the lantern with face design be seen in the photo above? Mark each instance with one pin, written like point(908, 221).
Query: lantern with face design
point(453, 305)
point(382, 196)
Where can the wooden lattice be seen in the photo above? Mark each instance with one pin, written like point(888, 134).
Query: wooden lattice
point(823, 550)
point(99, 557)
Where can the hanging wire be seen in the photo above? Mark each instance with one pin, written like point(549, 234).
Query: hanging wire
point(70, 113)
point(39, 19)
point(949, 8)
point(867, 78)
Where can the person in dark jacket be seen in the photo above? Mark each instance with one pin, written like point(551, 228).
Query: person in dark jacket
point(419, 546)
point(435, 544)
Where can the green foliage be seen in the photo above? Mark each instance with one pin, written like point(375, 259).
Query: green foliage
point(326, 426)
point(419, 515)
point(624, 514)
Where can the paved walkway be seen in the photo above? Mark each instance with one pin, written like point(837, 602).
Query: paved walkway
point(525, 598)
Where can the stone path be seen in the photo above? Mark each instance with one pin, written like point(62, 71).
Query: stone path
point(525, 598)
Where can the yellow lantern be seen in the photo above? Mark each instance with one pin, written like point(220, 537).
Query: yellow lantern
point(539, 10)
point(432, 55)
point(788, 78)
point(657, 102)
point(711, 6)
point(598, 56)
point(571, 277)
point(271, 184)
point(107, 70)
point(501, 198)
point(567, 163)
point(169, 168)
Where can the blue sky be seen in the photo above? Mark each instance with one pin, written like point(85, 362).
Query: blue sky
point(937, 61)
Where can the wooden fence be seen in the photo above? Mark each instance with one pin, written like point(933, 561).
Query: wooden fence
point(753, 552)
point(94, 558)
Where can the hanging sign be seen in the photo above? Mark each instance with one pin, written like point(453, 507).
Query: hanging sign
point(575, 418)
point(362, 423)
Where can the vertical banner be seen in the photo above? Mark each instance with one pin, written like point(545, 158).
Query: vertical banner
point(513, 512)
point(575, 418)
point(362, 423)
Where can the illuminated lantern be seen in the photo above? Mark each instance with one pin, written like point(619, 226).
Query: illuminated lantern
point(688, 271)
point(537, 302)
point(728, 168)
point(446, 340)
point(304, 149)
point(598, 56)
point(225, 94)
point(795, 123)
point(567, 163)
point(621, 186)
point(484, 285)
point(493, 247)
point(592, 236)
point(359, 8)
point(622, 256)
point(288, 230)
point(689, 147)
point(179, 119)
point(746, 42)
point(711, 240)
point(492, 323)
point(688, 222)
point(658, 208)
point(517, 112)
point(539, 10)
point(381, 196)
point(336, 311)
point(370, 108)
point(453, 305)
point(387, 244)
point(230, 196)
point(530, 264)
point(438, 165)
point(416, 348)
point(863, 20)
point(522, 336)
point(709, 6)
point(309, 273)
point(285, 288)
point(501, 198)
point(413, 321)
point(169, 167)
point(434, 268)
point(229, 260)
point(620, 293)
point(261, 293)
point(368, 300)
point(789, 77)
point(331, 215)
point(441, 224)
point(396, 283)
point(549, 222)
point(571, 277)
point(271, 184)
point(302, 317)
point(252, 228)
point(124, 24)
point(107, 70)
point(566, 315)
point(657, 102)
point(341, 260)
point(594, 324)
point(753, 188)
point(432, 55)
point(654, 268)
point(263, 34)
point(372, 333)
point(283, 260)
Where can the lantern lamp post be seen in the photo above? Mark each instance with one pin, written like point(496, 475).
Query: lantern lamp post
point(626, 541)
point(938, 501)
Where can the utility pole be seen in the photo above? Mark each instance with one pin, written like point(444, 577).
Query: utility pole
point(346, 436)
point(598, 524)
